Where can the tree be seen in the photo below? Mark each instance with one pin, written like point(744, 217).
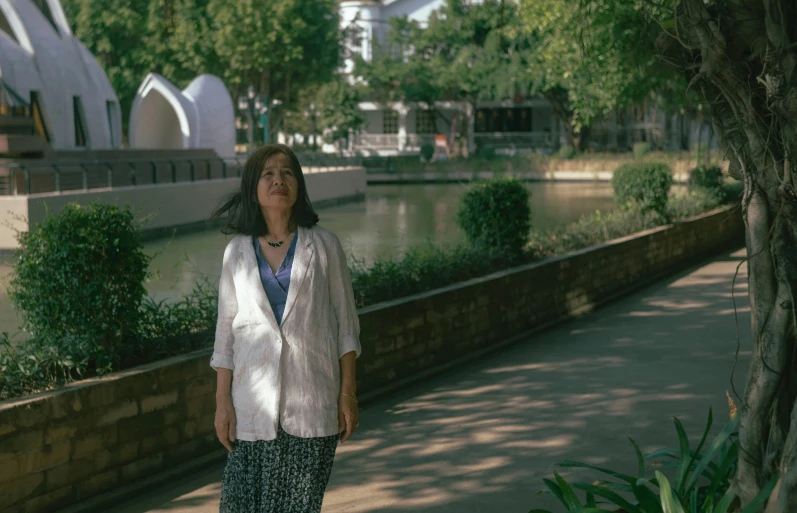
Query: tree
point(117, 35)
point(275, 45)
point(741, 58)
point(398, 69)
point(271, 44)
point(478, 48)
point(338, 113)
point(180, 42)
point(619, 70)
point(477, 51)
point(131, 39)
point(465, 53)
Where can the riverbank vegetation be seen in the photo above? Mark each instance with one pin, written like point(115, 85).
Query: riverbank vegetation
point(78, 283)
point(534, 162)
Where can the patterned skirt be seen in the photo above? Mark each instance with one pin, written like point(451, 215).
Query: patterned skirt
point(285, 475)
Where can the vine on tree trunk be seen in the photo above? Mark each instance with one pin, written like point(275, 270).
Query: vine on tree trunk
point(741, 57)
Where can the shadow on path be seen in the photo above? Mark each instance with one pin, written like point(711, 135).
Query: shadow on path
point(482, 437)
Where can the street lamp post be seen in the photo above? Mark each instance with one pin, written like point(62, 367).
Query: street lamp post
point(312, 114)
point(312, 109)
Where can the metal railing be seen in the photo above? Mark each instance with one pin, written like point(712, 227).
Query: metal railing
point(17, 178)
point(411, 141)
point(377, 141)
point(523, 139)
point(418, 140)
point(322, 162)
point(414, 141)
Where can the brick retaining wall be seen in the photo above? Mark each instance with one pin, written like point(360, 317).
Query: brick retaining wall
point(92, 437)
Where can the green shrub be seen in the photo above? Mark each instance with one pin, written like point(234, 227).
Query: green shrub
point(693, 203)
point(567, 152)
point(701, 483)
point(165, 329)
point(34, 365)
point(427, 152)
point(80, 277)
point(168, 328)
point(706, 177)
point(647, 184)
point(424, 267)
point(495, 215)
point(591, 230)
point(641, 149)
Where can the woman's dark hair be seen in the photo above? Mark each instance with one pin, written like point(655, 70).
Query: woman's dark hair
point(242, 209)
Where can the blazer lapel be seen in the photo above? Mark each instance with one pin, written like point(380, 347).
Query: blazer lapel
point(253, 279)
point(301, 263)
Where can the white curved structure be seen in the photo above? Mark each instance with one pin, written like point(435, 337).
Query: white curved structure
point(43, 62)
point(201, 116)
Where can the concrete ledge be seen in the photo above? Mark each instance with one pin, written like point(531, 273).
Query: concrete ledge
point(97, 439)
point(22, 143)
point(199, 226)
point(182, 205)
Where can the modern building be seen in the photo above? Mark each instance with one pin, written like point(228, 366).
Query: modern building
point(69, 96)
point(201, 116)
point(73, 106)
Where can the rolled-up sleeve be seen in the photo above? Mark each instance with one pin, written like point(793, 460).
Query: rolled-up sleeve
point(342, 296)
point(228, 308)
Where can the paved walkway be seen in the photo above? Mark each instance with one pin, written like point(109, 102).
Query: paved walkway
point(482, 437)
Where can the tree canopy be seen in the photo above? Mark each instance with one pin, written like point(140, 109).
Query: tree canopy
point(592, 57)
point(273, 45)
point(739, 58)
point(586, 58)
point(463, 53)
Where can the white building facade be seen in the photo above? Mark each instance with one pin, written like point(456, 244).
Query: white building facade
point(71, 99)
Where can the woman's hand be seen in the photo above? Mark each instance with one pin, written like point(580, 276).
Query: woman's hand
point(348, 416)
point(225, 422)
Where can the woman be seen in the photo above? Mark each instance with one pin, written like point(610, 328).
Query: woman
point(286, 342)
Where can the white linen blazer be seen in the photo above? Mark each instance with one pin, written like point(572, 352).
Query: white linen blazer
point(286, 374)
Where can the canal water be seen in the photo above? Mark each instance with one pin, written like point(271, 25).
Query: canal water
point(389, 220)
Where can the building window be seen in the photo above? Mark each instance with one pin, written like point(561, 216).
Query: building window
point(38, 116)
point(480, 124)
point(503, 120)
point(80, 123)
point(389, 122)
point(425, 122)
point(6, 27)
point(112, 110)
point(524, 121)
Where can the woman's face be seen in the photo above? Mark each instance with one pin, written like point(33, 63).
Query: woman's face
point(277, 188)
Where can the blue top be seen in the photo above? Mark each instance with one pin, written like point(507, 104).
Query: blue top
point(276, 285)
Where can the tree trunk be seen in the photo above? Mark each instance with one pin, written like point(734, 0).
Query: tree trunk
point(683, 132)
point(560, 105)
point(741, 57)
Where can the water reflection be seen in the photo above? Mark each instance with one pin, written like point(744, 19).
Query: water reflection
point(395, 217)
point(391, 219)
